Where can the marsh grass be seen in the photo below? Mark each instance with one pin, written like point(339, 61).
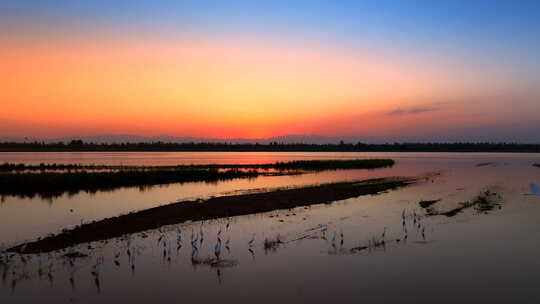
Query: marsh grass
point(51, 184)
point(76, 254)
point(55, 179)
point(271, 244)
point(212, 208)
point(483, 203)
point(373, 243)
point(310, 165)
point(213, 262)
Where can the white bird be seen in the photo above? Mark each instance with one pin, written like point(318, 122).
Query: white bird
point(535, 190)
point(217, 249)
point(39, 260)
point(178, 234)
point(179, 239)
point(3, 253)
point(324, 229)
point(194, 251)
point(96, 268)
point(250, 243)
point(201, 231)
point(194, 238)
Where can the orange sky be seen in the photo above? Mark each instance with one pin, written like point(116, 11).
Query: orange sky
point(258, 69)
point(221, 88)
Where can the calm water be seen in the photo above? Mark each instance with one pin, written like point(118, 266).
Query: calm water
point(469, 258)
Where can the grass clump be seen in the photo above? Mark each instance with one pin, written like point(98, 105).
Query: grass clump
point(76, 254)
point(271, 244)
point(316, 165)
point(483, 203)
point(213, 262)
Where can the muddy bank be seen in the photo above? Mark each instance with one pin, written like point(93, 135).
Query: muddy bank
point(218, 207)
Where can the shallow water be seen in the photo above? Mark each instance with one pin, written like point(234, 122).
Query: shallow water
point(470, 257)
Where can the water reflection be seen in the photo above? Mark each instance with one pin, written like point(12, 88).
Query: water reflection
point(353, 249)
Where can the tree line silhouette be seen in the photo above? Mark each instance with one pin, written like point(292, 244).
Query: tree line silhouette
point(79, 145)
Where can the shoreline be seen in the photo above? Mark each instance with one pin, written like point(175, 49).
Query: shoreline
point(213, 208)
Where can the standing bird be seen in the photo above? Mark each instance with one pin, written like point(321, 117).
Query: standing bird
point(39, 260)
point(178, 236)
point(201, 232)
point(116, 258)
point(194, 237)
point(227, 243)
point(3, 253)
point(194, 251)
point(217, 249)
point(250, 243)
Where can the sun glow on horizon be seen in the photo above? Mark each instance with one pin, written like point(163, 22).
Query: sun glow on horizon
point(100, 76)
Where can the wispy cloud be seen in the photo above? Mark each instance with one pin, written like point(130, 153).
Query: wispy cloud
point(410, 111)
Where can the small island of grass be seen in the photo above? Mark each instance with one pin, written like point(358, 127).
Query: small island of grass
point(50, 180)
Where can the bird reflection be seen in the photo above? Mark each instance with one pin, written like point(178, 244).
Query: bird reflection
point(218, 273)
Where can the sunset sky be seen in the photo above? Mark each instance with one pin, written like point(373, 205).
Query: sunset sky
point(440, 70)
